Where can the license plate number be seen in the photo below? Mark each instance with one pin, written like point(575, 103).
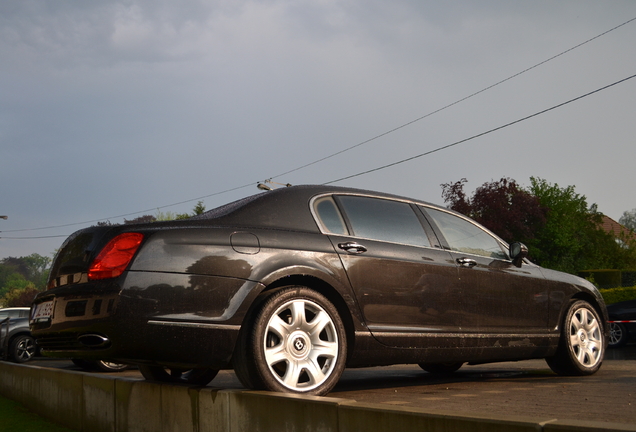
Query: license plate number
point(43, 311)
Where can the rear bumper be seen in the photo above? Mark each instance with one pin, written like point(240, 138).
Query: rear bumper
point(129, 322)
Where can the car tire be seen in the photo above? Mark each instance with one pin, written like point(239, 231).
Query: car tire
point(296, 343)
point(199, 377)
point(441, 368)
point(106, 366)
point(22, 348)
point(582, 343)
point(99, 365)
point(618, 335)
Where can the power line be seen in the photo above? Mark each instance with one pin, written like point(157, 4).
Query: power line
point(348, 148)
point(125, 215)
point(393, 163)
point(454, 103)
point(481, 134)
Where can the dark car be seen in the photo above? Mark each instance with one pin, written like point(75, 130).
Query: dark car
point(290, 286)
point(622, 323)
point(16, 343)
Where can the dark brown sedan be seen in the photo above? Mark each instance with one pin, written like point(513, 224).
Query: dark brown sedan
point(290, 286)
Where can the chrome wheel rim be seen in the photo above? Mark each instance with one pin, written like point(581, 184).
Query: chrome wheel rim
point(586, 338)
point(616, 334)
point(301, 345)
point(25, 349)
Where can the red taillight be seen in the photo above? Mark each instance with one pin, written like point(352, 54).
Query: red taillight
point(115, 257)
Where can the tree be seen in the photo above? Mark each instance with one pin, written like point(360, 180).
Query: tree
point(572, 238)
point(561, 231)
point(33, 268)
point(502, 206)
point(628, 220)
point(198, 209)
point(141, 219)
point(19, 297)
point(15, 281)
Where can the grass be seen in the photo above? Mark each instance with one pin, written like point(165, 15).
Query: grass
point(16, 418)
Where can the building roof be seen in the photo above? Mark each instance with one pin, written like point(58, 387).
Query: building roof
point(610, 226)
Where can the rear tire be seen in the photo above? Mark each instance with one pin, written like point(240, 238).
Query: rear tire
point(100, 365)
point(296, 343)
point(200, 377)
point(618, 335)
point(22, 349)
point(582, 344)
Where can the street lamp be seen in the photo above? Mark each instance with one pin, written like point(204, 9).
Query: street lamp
point(4, 217)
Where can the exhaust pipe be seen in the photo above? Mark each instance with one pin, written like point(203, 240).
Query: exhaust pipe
point(93, 340)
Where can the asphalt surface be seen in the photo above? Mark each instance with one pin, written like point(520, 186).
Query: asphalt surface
point(527, 388)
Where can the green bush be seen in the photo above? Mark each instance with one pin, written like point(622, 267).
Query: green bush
point(615, 295)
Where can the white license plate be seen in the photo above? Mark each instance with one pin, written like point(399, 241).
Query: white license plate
point(43, 311)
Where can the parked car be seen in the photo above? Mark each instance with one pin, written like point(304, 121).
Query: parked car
point(622, 323)
point(16, 343)
point(290, 286)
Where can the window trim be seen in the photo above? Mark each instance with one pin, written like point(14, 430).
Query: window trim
point(505, 247)
point(313, 203)
point(431, 235)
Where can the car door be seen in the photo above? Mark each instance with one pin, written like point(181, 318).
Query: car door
point(404, 282)
point(509, 303)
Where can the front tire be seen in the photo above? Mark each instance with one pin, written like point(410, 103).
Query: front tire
point(297, 344)
point(582, 344)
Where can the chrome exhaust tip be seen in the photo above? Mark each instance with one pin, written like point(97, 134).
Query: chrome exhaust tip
point(93, 340)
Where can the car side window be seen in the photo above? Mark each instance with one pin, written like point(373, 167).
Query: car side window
point(463, 236)
point(385, 220)
point(329, 216)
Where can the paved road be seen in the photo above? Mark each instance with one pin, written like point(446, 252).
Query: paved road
point(526, 388)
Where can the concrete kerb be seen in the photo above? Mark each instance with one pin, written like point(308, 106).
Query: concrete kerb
point(266, 411)
point(356, 416)
point(95, 403)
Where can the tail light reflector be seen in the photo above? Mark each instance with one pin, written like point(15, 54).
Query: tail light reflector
point(115, 257)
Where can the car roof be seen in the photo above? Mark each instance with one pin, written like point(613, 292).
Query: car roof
point(286, 207)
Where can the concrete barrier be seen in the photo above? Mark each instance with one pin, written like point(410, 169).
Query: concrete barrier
point(96, 403)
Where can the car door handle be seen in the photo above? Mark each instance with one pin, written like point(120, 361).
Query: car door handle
point(352, 247)
point(466, 262)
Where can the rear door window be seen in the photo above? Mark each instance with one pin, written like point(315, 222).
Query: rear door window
point(329, 216)
point(385, 220)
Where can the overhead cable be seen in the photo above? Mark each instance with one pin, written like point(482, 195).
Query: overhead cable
point(251, 184)
point(454, 103)
point(480, 134)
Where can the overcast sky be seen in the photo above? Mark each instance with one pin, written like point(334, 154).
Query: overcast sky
point(112, 108)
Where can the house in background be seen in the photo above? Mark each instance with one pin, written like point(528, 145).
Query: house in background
point(606, 278)
point(619, 232)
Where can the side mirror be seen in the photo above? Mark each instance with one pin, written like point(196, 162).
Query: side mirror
point(518, 251)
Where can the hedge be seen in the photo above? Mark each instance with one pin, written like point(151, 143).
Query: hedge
point(615, 295)
point(608, 278)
